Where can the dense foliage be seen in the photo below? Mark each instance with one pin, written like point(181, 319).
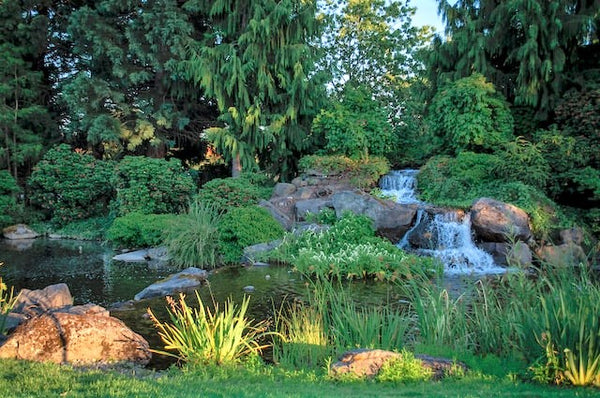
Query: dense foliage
point(226, 193)
point(8, 203)
point(140, 230)
point(70, 185)
point(362, 173)
point(151, 186)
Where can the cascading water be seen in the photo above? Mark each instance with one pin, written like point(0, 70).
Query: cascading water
point(445, 236)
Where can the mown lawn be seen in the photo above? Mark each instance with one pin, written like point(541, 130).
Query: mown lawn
point(23, 379)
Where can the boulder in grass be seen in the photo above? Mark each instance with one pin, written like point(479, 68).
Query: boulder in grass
point(77, 339)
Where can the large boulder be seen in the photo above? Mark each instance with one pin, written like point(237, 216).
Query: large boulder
point(19, 231)
point(496, 221)
point(310, 206)
point(75, 338)
point(282, 210)
point(517, 254)
point(283, 189)
point(50, 298)
point(567, 254)
point(390, 219)
point(188, 279)
point(366, 362)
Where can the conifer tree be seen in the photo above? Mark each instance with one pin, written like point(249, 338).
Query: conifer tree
point(255, 61)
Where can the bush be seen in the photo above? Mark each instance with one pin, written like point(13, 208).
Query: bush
point(362, 173)
point(151, 186)
point(141, 230)
point(469, 115)
point(245, 226)
point(88, 229)
point(8, 204)
point(404, 369)
point(226, 193)
point(70, 185)
point(523, 161)
point(194, 240)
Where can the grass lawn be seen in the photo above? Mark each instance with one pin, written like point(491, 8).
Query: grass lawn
point(24, 379)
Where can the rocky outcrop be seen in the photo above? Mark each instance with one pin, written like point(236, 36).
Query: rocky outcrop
point(310, 206)
point(390, 219)
point(517, 254)
point(73, 338)
point(365, 362)
point(189, 278)
point(19, 231)
point(567, 254)
point(496, 221)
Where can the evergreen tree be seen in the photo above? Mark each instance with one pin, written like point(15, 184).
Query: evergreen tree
point(256, 61)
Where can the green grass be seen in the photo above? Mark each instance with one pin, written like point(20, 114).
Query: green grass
point(23, 379)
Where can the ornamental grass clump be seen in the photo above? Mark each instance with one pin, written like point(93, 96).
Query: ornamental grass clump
point(7, 302)
point(201, 336)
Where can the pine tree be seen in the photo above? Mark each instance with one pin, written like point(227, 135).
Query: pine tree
point(256, 61)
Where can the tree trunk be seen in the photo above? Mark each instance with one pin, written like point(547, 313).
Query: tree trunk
point(236, 166)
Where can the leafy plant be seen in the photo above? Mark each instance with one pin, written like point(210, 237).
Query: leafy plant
point(71, 185)
point(7, 302)
point(88, 229)
point(226, 193)
point(201, 336)
point(194, 239)
point(245, 226)
point(151, 186)
point(8, 204)
point(403, 369)
point(141, 230)
point(325, 216)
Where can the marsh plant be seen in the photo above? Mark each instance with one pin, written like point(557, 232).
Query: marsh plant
point(8, 299)
point(193, 241)
point(200, 335)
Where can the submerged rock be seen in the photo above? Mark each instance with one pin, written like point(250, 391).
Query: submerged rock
point(187, 279)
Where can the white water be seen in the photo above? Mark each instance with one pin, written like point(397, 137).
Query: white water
point(451, 237)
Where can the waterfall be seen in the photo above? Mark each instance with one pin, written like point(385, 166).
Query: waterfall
point(445, 236)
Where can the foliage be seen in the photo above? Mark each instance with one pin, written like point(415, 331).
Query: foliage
point(245, 226)
point(468, 115)
point(71, 185)
point(89, 229)
point(403, 369)
point(523, 161)
point(193, 241)
point(201, 336)
point(226, 193)
point(355, 126)
point(8, 204)
point(7, 302)
point(151, 186)
point(362, 173)
point(325, 216)
point(255, 61)
point(141, 230)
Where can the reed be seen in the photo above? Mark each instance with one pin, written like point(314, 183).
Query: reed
point(8, 299)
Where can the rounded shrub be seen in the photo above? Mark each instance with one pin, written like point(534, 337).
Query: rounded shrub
point(151, 186)
point(70, 185)
point(246, 226)
point(226, 193)
point(141, 230)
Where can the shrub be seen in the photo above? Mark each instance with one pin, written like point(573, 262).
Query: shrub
point(8, 204)
point(141, 230)
point(244, 226)
point(193, 241)
point(362, 173)
point(70, 185)
point(404, 369)
point(523, 161)
point(151, 186)
point(88, 229)
point(226, 193)
point(202, 336)
point(469, 115)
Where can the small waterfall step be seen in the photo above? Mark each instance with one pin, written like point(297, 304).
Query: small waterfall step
point(444, 235)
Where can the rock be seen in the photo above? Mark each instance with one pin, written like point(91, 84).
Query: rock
point(249, 289)
point(365, 362)
point(572, 235)
point(86, 309)
point(306, 193)
point(133, 257)
point(160, 253)
point(187, 279)
point(280, 210)
point(567, 254)
point(310, 206)
point(19, 231)
point(283, 189)
point(496, 221)
point(299, 182)
point(505, 254)
point(251, 252)
point(71, 338)
point(390, 219)
point(50, 298)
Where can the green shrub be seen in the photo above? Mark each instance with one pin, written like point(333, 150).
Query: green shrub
point(244, 226)
point(8, 204)
point(151, 186)
point(194, 240)
point(362, 173)
point(469, 115)
point(226, 193)
point(71, 186)
point(404, 369)
point(141, 230)
point(201, 336)
point(523, 161)
point(88, 229)
point(7, 302)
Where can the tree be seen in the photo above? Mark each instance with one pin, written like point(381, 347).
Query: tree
point(256, 61)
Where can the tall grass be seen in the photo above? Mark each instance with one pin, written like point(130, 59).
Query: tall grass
point(8, 299)
point(199, 335)
point(194, 239)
